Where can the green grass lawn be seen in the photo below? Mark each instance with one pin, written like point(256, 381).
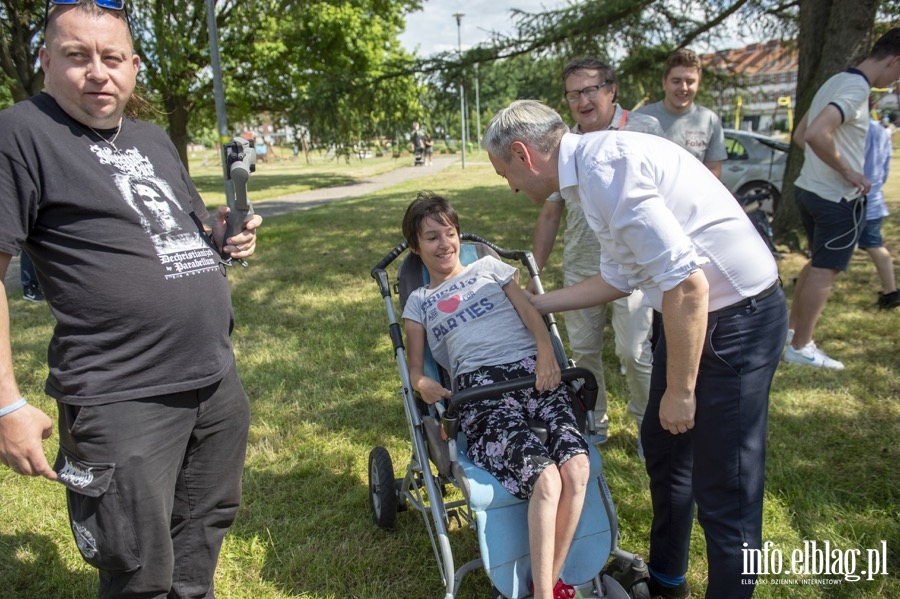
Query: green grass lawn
point(315, 357)
point(282, 173)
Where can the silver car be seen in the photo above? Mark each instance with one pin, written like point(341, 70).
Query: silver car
point(754, 169)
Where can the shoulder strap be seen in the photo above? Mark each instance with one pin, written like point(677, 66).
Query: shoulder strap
point(624, 118)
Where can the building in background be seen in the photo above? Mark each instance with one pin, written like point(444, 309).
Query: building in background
point(754, 87)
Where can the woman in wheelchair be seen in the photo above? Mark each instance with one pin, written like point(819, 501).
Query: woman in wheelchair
point(482, 329)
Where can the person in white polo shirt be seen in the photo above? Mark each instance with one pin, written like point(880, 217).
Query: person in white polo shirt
point(830, 191)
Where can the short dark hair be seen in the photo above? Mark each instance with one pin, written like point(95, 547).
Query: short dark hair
point(589, 63)
point(427, 205)
point(682, 58)
point(887, 45)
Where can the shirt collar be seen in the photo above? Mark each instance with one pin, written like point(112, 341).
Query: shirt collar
point(858, 72)
point(613, 124)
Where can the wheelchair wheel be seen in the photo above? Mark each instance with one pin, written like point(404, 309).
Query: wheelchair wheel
point(640, 590)
point(383, 497)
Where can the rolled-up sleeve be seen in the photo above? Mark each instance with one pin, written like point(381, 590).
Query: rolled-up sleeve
point(644, 245)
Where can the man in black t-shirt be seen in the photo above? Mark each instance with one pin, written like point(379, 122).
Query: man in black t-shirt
point(153, 419)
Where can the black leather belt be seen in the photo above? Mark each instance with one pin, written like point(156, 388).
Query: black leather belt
point(747, 301)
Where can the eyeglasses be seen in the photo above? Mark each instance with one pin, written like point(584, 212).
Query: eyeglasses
point(109, 4)
point(590, 92)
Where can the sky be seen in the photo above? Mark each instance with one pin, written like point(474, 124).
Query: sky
point(433, 29)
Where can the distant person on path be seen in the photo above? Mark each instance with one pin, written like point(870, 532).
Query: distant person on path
point(31, 287)
point(502, 338)
point(693, 127)
point(429, 150)
point(418, 143)
point(152, 417)
point(830, 191)
point(590, 88)
point(877, 166)
point(667, 225)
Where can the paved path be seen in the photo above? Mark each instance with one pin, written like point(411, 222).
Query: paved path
point(310, 199)
point(316, 197)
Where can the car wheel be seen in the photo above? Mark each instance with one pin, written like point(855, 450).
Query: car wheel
point(762, 192)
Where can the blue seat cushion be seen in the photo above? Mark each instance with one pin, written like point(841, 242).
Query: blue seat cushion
point(502, 527)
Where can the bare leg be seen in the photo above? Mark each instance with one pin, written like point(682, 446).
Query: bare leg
point(800, 282)
point(575, 474)
point(810, 296)
point(542, 510)
point(884, 264)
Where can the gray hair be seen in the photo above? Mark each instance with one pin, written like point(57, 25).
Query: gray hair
point(528, 121)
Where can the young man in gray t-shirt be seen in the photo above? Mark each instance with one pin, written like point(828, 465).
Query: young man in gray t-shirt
point(693, 127)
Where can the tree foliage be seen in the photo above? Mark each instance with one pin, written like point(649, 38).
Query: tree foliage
point(172, 39)
point(336, 69)
point(848, 27)
point(331, 74)
point(635, 36)
point(20, 37)
point(314, 63)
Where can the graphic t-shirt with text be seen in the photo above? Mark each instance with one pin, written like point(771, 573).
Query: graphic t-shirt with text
point(469, 321)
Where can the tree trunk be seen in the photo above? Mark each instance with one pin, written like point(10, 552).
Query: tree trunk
point(178, 110)
point(834, 34)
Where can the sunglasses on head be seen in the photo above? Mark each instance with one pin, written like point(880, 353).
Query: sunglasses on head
point(109, 4)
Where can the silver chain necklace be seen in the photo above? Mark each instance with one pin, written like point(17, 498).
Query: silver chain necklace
point(111, 142)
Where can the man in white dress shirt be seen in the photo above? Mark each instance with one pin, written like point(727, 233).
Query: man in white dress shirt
point(667, 226)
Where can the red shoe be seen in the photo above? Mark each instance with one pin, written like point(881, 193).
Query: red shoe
point(563, 590)
point(560, 591)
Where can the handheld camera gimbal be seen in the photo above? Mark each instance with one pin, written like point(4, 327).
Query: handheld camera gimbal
point(240, 157)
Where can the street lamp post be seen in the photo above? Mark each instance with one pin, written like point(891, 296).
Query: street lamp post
point(477, 113)
point(219, 96)
point(462, 101)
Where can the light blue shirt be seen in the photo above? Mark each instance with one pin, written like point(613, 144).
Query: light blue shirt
point(878, 163)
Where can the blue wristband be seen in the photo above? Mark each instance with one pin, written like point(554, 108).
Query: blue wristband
point(12, 407)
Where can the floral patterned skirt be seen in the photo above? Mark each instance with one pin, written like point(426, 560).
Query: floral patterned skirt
point(498, 432)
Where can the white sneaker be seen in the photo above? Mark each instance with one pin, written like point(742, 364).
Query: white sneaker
point(810, 355)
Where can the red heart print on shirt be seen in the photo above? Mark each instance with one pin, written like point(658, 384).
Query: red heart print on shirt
point(449, 305)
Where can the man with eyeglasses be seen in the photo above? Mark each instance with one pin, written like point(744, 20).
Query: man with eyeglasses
point(693, 127)
point(153, 419)
point(590, 88)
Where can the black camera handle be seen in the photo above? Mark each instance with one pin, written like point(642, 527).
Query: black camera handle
point(240, 156)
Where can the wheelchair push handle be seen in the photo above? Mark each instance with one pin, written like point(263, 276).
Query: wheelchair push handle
point(380, 275)
point(391, 256)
